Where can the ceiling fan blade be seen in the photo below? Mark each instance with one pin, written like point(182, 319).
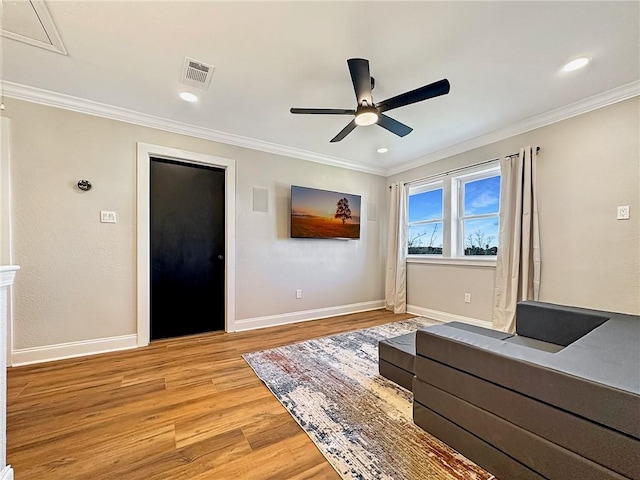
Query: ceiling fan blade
point(361, 78)
point(323, 111)
point(435, 89)
point(345, 131)
point(394, 126)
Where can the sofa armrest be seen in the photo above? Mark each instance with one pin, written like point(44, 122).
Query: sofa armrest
point(557, 324)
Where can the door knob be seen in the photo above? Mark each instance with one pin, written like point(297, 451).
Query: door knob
point(220, 257)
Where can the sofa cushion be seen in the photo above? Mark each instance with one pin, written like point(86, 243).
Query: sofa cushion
point(612, 449)
point(547, 458)
point(471, 446)
point(487, 332)
point(399, 351)
point(588, 378)
point(536, 344)
point(557, 324)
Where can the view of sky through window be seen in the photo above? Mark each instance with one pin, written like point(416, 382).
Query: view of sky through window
point(425, 238)
point(481, 197)
point(425, 206)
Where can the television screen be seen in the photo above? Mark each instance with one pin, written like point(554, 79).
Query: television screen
point(324, 214)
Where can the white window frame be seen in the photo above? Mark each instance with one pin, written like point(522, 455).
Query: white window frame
point(452, 212)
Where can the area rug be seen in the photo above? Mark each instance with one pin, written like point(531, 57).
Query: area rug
point(360, 421)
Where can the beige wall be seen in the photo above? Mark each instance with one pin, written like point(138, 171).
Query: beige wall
point(77, 280)
point(588, 166)
point(78, 276)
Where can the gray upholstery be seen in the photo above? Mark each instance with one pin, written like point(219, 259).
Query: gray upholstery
point(396, 358)
point(400, 351)
point(561, 399)
point(471, 446)
point(533, 343)
point(558, 324)
point(602, 445)
point(485, 332)
point(396, 374)
point(547, 458)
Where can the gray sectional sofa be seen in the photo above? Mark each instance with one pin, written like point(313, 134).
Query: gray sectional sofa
point(558, 400)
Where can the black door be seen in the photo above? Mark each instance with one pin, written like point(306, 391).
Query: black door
point(187, 248)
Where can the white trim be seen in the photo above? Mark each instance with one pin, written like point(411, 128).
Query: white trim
point(145, 152)
point(5, 192)
point(7, 274)
point(25, 356)
point(6, 242)
point(7, 473)
point(68, 102)
point(594, 102)
point(446, 317)
point(487, 261)
point(49, 27)
point(306, 315)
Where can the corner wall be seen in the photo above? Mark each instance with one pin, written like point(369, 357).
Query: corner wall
point(587, 166)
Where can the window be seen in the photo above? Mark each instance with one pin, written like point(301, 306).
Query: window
point(425, 220)
point(456, 216)
point(478, 220)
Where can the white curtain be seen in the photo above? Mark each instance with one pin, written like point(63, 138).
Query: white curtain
point(518, 260)
point(396, 277)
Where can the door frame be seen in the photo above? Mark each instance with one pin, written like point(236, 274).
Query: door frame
point(144, 153)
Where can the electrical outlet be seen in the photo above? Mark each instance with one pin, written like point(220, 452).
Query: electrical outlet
point(623, 212)
point(299, 293)
point(467, 298)
point(107, 217)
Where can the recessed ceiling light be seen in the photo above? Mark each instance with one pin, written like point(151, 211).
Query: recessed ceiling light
point(188, 97)
point(575, 64)
point(382, 150)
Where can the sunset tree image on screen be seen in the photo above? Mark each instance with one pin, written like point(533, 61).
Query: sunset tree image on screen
point(343, 212)
point(317, 213)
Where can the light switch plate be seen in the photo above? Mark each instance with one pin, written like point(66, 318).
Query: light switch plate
point(107, 217)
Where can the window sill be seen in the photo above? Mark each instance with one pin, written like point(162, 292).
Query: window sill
point(466, 262)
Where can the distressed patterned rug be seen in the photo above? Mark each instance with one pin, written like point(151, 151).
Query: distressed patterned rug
point(360, 421)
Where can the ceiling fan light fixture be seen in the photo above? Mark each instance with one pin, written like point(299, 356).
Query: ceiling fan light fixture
point(367, 112)
point(366, 117)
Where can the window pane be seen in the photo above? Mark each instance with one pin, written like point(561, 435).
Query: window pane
point(425, 206)
point(425, 239)
point(482, 196)
point(481, 236)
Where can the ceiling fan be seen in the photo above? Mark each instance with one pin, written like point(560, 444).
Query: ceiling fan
point(367, 112)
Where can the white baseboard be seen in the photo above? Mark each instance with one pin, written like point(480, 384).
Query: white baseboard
point(60, 351)
point(305, 315)
point(6, 473)
point(446, 317)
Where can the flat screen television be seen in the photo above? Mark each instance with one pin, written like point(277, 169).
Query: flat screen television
point(324, 214)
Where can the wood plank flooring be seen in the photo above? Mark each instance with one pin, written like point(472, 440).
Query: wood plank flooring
point(188, 408)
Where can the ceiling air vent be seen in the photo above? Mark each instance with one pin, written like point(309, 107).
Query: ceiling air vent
point(196, 74)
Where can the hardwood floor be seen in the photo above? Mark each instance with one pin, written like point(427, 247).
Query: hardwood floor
point(188, 408)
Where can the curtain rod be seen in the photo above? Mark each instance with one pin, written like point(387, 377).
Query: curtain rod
point(461, 168)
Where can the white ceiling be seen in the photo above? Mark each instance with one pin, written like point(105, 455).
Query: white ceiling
point(502, 59)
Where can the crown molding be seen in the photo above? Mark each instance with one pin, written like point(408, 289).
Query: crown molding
point(68, 102)
point(588, 104)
